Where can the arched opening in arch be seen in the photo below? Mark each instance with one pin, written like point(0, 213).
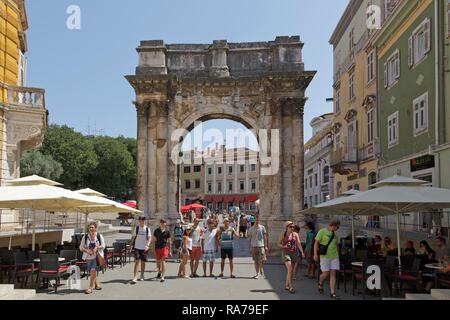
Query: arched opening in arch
point(220, 166)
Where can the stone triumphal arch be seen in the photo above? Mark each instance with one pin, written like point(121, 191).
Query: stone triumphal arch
point(260, 84)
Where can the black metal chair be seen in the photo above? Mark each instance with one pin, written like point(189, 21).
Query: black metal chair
point(346, 269)
point(23, 268)
point(7, 264)
point(360, 275)
point(70, 257)
point(80, 263)
point(390, 271)
point(409, 274)
point(119, 253)
point(442, 280)
point(50, 268)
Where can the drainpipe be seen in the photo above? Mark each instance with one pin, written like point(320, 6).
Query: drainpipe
point(437, 42)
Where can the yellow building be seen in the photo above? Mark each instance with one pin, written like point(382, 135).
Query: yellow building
point(355, 151)
point(23, 116)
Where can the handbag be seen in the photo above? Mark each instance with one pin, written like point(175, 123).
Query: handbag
point(101, 262)
point(324, 248)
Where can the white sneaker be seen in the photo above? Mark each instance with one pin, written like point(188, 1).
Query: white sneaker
point(256, 276)
point(134, 281)
point(142, 279)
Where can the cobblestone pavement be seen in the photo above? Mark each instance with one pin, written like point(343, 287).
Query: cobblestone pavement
point(117, 283)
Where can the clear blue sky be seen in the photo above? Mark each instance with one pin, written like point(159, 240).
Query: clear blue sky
point(83, 70)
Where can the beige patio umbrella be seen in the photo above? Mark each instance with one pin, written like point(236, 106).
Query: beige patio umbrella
point(42, 197)
point(351, 212)
point(33, 180)
point(395, 196)
point(104, 205)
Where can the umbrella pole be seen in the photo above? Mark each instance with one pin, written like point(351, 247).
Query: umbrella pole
point(353, 231)
point(399, 249)
point(85, 224)
point(448, 224)
point(33, 237)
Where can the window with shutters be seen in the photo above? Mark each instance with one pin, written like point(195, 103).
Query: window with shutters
point(371, 66)
point(370, 125)
point(392, 69)
point(197, 184)
point(420, 106)
point(351, 43)
point(351, 86)
point(242, 185)
point(393, 130)
point(187, 184)
point(419, 44)
point(209, 187)
point(219, 187)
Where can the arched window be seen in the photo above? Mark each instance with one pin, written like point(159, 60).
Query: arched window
point(326, 174)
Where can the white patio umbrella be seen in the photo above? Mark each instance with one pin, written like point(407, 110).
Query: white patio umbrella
point(105, 205)
point(395, 195)
point(33, 180)
point(41, 197)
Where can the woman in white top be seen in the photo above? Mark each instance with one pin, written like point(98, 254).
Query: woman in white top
point(186, 249)
point(92, 245)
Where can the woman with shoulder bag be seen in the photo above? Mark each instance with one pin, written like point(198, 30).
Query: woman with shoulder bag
point(92, 246)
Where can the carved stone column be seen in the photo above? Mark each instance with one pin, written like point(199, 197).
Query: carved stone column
point(142, 157)
point(297, 155)
point(162, 158)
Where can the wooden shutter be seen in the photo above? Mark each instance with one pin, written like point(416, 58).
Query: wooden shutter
point(411, 51)
point(427, 31)
point(386, 74)
point(397, 64)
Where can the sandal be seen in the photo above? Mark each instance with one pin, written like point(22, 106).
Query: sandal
point(334, 296)
point(321, 291)
point(88, 291)
point(292, 290)
point(98, 288)
point(233, 276)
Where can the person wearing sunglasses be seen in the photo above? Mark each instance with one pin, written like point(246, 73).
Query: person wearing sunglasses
point(289, 242)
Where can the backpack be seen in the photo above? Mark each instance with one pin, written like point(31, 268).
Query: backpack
point(98, 238)
point(137, 230)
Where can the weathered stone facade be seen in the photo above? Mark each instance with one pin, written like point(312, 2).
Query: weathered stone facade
point(260, 84)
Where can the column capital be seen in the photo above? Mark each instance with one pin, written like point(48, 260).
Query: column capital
point(141, 108)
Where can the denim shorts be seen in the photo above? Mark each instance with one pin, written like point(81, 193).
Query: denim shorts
point(91, 265)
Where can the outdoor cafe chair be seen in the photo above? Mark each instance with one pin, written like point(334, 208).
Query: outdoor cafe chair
point(409, 274)
point(6, 265)
point(50, 268)
point(23, 268)
point(119, 253)
point(442, 280)
point(360, 275)
point(361, 254)
point(80, 263)
point(70, 257)
point(390, 271)
point(346, 269)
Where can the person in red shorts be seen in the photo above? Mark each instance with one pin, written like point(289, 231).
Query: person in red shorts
point(196, 253)
point(163, 245)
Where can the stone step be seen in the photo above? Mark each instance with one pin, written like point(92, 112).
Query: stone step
point(19, 294)
point(6, 289)
point(415, 296)
point(440, 294)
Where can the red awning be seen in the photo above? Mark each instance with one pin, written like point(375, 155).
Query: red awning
point(208, 199)
point(251, 198)
point(239, 198)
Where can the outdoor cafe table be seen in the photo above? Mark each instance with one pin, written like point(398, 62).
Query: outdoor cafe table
point(59, 260)
point(434, 266)
point(357, 264)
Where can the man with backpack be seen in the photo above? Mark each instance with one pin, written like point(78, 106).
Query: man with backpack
point(141, 245)
point(326, 246)
point(177, 238)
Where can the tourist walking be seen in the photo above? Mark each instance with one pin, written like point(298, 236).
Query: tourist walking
point(196, 253)
point(186, 249)
point(209, 247)
point(243, 226)
point(326, 246)
point(225, 237)
point(289, 242)
point(161, 238)
point(141, 245)
point(309, 250)
point(298, 254)
point(92, 245)
point(177, 238)
point(258, 246)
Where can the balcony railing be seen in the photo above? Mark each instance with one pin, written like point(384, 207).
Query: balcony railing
point(26, 97)
point(369, 151)
point(343, 155)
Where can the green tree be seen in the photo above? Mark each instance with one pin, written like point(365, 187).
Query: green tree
point(115, 174)
point(34, 162)
point(75, 153)
point(131, 145)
